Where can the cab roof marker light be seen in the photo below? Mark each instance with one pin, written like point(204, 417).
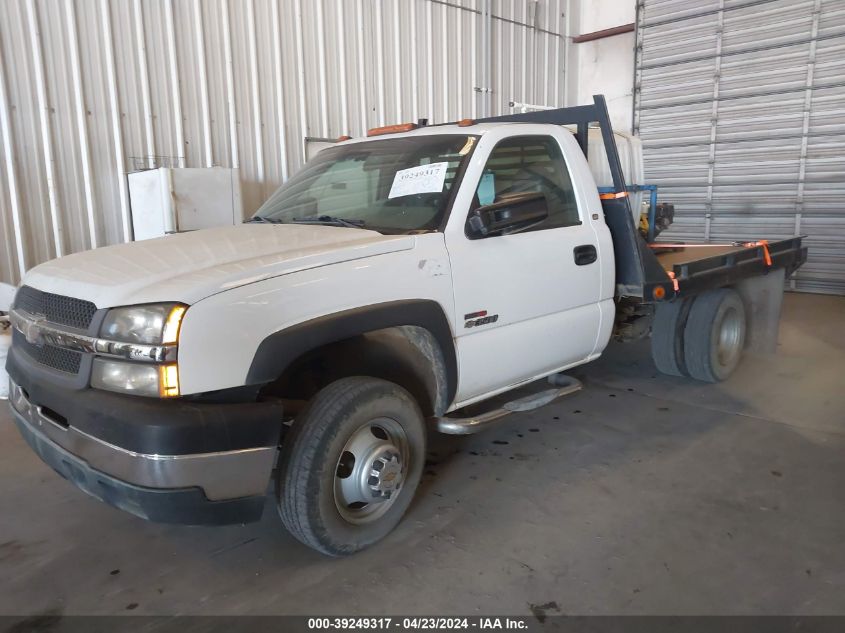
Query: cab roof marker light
point(392, 129)
point(173, 324)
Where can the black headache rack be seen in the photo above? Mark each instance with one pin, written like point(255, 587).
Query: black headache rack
point(640, 275)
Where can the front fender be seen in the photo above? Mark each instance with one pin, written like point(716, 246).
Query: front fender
point(280, 349)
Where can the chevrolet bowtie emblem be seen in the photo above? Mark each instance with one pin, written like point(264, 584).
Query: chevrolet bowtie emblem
point(32, 330)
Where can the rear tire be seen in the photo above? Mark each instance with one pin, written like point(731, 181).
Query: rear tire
point(667, 336)
point(350, 465)
point(714, 336)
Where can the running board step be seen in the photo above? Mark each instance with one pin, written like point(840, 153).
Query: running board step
point(563, 386)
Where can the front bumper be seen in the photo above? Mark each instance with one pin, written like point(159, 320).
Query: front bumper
point(196, 488)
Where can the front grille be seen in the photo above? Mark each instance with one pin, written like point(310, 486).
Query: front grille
point(76, 313)
point(64, 360)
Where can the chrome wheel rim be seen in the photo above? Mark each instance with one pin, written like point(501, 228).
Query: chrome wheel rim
point(730, 337)
point(370, 472)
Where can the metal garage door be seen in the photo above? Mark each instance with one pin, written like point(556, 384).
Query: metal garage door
point(741, 107)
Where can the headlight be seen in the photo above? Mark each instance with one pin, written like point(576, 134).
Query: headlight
point(148, 334)
point(141, 379)
point(153, 324)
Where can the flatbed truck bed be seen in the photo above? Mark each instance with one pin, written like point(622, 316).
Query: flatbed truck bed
point(698, 267)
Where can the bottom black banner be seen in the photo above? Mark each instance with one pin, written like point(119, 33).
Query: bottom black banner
point(402, 624)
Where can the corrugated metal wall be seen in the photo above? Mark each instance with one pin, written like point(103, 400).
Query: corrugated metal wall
point(741, 108)
point(92, 89)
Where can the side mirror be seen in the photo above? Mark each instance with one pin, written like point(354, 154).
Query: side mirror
point(514, 214)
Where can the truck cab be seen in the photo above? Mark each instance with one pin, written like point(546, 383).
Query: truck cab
point(390, 283)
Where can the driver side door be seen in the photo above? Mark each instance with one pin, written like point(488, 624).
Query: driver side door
point(526, 303)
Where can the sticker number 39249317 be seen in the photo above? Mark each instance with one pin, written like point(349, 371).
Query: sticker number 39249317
point(421, 179)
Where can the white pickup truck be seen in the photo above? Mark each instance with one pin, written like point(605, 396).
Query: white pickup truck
point(390, 283)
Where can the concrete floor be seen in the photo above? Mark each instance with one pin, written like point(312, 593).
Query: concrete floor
point(643, 494)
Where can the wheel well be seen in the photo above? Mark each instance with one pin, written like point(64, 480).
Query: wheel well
point(407, 355)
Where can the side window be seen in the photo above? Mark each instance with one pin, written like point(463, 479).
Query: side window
point(528, 164)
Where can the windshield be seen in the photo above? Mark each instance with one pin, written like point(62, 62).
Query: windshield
point(393, 185)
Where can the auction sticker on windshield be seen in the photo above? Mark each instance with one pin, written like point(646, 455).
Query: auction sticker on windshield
point(422, 179)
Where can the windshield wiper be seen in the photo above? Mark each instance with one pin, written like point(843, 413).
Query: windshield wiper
point(257, 219)
point(329, 220)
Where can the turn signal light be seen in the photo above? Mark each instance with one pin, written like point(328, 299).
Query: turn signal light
point(172, 325)
point(168, 381)
point(392, 129)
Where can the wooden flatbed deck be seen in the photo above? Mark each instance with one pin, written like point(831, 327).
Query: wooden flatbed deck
point(675, 257)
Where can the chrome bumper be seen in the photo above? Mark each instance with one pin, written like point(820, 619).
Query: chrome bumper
point(221, 476)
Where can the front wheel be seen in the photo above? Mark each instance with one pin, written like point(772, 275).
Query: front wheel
point(350, 464)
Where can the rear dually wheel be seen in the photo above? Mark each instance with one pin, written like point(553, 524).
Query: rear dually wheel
point(714, 336)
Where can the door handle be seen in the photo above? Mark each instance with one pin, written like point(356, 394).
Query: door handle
point(585, 254)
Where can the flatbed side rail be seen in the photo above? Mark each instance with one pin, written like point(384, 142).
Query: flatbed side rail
point(727, 269)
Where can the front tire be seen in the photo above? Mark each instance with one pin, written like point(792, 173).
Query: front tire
point(350, 465)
